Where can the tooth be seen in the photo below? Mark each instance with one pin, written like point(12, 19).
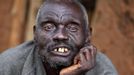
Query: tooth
point(55, 50)
point(60, 50)
point(63, 49)
point(66, 49)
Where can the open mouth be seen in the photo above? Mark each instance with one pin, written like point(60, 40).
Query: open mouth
point(61, 51)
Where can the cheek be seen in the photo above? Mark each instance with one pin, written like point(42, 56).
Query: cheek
point(42, 37)
point(79, 39)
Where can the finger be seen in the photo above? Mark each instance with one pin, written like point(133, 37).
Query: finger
point(93, 50)
point(93, 54)
point(82, 58)
point(74, 67)
point(71, 68)
point(76, 59)
point(88, 55)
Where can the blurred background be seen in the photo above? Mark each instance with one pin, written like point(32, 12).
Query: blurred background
point(112, 22)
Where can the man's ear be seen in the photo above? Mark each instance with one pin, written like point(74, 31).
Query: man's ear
point(90, 31)
point(34, 32)
point(34, 29)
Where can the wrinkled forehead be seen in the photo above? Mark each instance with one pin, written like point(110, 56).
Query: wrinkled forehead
point(61, 9)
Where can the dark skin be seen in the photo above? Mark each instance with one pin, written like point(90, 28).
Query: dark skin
point(61, 26)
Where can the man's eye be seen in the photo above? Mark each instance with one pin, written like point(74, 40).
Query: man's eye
point(48, 26)
point(72, 27)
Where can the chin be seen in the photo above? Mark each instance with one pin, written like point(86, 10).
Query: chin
point(59, 62)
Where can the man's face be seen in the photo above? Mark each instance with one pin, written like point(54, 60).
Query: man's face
point(60, 33)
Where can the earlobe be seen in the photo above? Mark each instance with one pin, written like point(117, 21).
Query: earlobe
point(34, 29)
point(34, 32)
point(90, 31)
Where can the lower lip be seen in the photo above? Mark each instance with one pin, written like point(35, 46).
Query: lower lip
point(61, 54)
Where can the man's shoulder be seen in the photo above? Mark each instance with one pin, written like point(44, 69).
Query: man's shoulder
point(15, 54)
point(103, 66)
point(12, 60)
point(104, 62)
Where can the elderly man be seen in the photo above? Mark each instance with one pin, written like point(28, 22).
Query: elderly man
point(61, 45)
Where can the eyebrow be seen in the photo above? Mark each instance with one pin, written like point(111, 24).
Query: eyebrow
point(55, 17)
point(72, 18)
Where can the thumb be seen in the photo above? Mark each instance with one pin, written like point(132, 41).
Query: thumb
point(70, 69)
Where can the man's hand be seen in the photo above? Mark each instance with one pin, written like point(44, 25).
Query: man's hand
point(83, 62)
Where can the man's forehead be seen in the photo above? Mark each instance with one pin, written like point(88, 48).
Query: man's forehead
point(60, 9)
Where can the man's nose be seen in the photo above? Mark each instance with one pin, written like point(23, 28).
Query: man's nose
point(60, 36)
